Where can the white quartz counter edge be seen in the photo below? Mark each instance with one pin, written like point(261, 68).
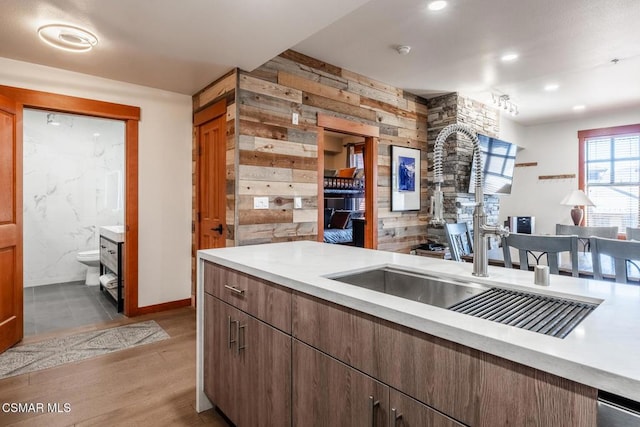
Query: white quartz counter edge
point(591, 355)
point(115, 233)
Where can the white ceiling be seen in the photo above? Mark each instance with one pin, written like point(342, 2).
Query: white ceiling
point(182, 46)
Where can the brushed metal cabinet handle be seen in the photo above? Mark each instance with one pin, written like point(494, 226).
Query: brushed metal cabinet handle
point(241, 338)
point(373, 404)
point(234, 289)
point(395, 416)
point(230, 338)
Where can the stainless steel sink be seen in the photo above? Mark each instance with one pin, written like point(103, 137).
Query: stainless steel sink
point(423, 288)
point(544, 314)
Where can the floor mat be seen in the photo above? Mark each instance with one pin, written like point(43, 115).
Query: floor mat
point(57, 351)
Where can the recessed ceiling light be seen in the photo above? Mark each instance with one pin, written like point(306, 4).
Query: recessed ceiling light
point(508, 57)
point(578, 107)
point(437, 5)
point(551, 87)
point(96, 134)
point(67, 37)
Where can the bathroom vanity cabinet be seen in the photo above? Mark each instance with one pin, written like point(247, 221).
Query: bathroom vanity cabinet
point(111, 261)
point(287, 358)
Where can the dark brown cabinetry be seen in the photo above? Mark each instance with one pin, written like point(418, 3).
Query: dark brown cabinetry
point(327, 365)
point(247, 362)
point(330, 393)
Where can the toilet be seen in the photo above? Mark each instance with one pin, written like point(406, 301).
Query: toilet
point(92, 260)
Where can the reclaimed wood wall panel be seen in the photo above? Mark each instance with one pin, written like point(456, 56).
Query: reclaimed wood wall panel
point(279, 160)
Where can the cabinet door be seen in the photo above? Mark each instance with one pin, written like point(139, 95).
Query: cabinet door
point(247, 367)
point(264, 361)
point(408, 412)
point(327, 392)
point(221, 373)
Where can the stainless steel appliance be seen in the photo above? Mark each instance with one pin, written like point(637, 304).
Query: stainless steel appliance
point(616, 411)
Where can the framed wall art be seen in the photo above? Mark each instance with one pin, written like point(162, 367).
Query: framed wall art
point(405, 179)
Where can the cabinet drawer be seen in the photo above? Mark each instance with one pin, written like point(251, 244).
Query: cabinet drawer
point(109, 254)
point(263, 300)
point(442, 374)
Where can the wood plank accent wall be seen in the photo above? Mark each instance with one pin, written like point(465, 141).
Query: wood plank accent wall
point(279, 160)
point(223, 88)
point(269, 156)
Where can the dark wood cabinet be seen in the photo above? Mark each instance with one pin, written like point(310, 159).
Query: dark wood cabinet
point(472, 387)
point(328, 365)
point(408, 412)
point(330, 393)
point(247, 365)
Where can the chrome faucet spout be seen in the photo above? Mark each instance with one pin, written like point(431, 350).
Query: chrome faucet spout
point(481, 230)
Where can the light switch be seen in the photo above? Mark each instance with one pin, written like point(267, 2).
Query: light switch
point(297, 202)
point(260, 203)
point(294, 118)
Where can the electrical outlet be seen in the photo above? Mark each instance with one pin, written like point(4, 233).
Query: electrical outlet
point(294, 118)
point(297, 202)
point(260, 203)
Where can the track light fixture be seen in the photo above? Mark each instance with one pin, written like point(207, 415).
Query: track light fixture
point(504, 102)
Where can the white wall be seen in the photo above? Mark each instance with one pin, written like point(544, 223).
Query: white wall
point(73, 183)
point(555, 147)
point(164, 170)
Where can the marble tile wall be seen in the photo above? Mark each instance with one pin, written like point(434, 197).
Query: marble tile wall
point(73, 183)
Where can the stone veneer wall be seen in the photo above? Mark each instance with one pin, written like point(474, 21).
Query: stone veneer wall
point(458, 150)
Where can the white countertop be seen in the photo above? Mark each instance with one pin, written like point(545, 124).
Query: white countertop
point(113, 232)
point(601, 352)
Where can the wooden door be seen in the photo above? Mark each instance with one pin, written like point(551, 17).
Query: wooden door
point(11, 291)
point(212, 184)
point(327, 392)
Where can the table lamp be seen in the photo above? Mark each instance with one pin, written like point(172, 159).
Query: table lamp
point(576, 199)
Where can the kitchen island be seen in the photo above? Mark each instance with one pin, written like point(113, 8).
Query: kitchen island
point(460, 368)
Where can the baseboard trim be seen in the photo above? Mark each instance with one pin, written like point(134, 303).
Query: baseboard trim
point(163, 307)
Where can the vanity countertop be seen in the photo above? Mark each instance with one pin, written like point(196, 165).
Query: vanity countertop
point(601, 352)
point(114, 233)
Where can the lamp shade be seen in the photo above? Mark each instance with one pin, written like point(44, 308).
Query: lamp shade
point(577, 198)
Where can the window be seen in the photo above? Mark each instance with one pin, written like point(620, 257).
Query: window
point(610, 175)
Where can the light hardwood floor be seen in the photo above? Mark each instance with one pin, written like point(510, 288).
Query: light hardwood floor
point(149, 385)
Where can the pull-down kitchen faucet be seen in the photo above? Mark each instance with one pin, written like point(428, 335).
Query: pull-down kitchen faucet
point(480, 228)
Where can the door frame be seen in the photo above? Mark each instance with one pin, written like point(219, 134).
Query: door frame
point(27, 98)
point(201, 117)
point(370, 134)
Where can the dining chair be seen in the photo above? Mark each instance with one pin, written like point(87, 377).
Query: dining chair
point(584, 233)
point(459, 240)
point(633, 233)
point(537, 246)
point(625, 255)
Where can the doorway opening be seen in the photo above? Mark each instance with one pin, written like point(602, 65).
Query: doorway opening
point(13, 101)
point(344, 189)
point(362, 147)
point(73, 193)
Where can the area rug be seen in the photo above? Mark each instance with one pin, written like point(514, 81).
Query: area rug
point(57, 351)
